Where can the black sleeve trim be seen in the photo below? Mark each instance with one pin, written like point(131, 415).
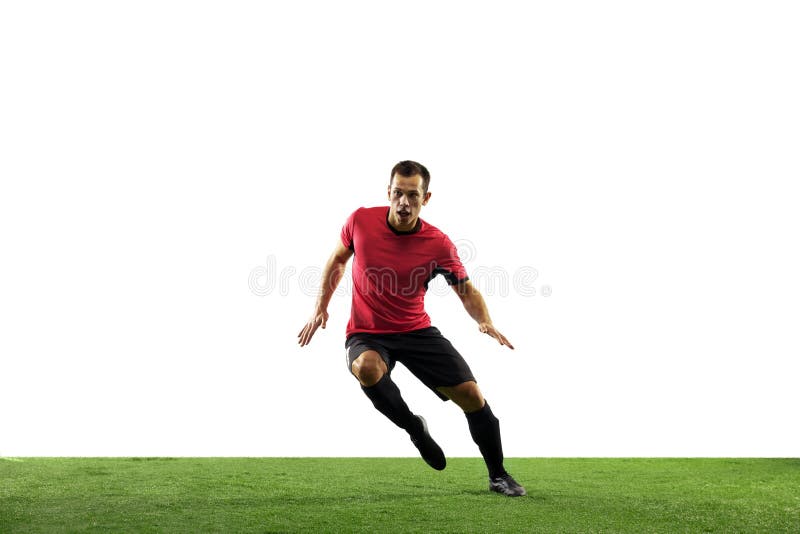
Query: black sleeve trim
point(448, 275)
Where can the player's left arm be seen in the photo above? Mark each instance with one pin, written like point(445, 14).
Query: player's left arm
point(475, 305)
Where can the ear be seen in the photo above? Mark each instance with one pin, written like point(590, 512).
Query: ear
point(389, 192)
point(426, 199)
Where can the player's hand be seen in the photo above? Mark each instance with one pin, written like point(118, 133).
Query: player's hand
point(320, 318)
point(488, 328)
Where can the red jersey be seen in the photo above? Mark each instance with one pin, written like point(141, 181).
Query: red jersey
point(392, 269)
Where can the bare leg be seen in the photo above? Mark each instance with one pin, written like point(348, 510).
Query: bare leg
point(467, 396)
point(369, 368)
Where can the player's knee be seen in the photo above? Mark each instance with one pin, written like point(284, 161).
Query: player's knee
point(473, 402)
point(467, 396)
point(369, 368)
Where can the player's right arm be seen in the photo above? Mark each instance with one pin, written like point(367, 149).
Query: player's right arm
point(331, 276)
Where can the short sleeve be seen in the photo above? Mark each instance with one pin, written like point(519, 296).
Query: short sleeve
point(450, 264)
point(348, 231)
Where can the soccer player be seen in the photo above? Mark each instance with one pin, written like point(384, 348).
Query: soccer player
point(396, 254)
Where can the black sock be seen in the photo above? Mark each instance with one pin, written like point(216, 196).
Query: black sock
point(386, 398)
point(485, 430)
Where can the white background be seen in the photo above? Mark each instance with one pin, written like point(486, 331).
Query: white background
point(163, 163)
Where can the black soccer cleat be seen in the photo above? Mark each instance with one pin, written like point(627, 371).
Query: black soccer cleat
point(428, 449)
point(506, 485)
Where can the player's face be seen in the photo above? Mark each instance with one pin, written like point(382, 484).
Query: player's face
point(407, 198)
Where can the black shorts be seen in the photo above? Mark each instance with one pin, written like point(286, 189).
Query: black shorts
point(426, 353)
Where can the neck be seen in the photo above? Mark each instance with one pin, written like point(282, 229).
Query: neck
point(403, 227)
point(395, 223)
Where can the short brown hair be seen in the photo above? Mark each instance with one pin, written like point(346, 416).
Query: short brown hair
point(410, 168)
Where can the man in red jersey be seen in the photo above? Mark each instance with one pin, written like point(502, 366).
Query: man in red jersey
point(396, 254)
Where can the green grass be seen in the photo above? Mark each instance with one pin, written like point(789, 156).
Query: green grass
point(397, 495)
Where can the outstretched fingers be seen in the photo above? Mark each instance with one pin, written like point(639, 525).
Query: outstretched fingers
point(492, 331)
point(305, 335)
point(504, 341)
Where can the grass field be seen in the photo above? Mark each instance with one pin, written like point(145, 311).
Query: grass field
point(396, 495)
